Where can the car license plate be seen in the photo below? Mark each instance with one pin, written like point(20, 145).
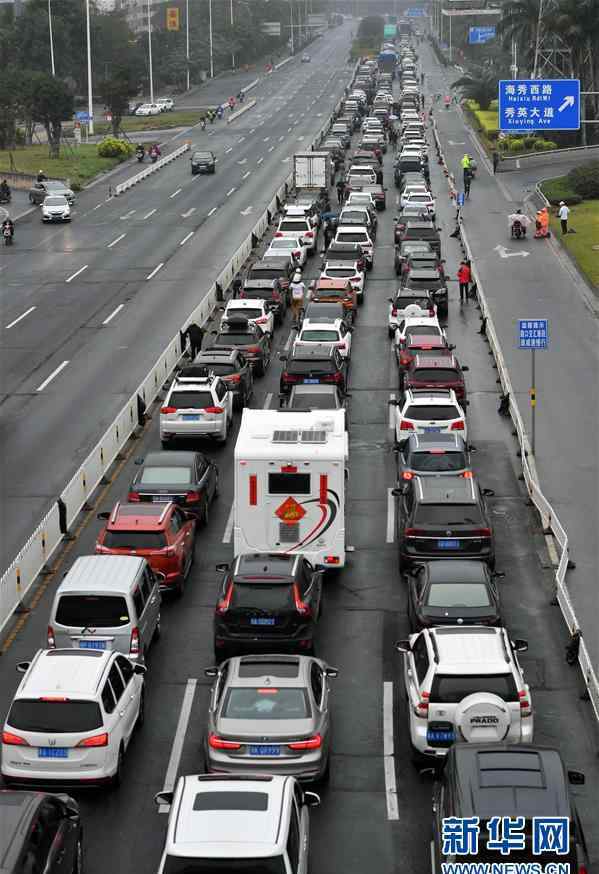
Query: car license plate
point(435, 735)
point(92, 644)
point(52, 753)
point(310, 382)
point(429, 429)
point(264, 750)
point(263, 620)
point(448, 544)
point(189, 418)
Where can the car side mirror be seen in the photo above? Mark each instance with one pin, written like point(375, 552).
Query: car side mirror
point(403, 646)
point(140, 670)
point(488, 493)
point(451, 346)
point(399, 491)
point(211, 672)
point(393, 402)
point(520, 645)
point(139, 461)
point(311, 799)
point(332, 673)
point(283, 356)
point(23, 667)
point(105, 515)
point(223, 567)
point(576, 778)
point(498, 575)
point(465, 368)
point(164, 798)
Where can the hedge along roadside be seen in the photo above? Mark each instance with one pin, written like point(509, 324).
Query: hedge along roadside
point(153, 168)
point(549, 520)
point(37, 553)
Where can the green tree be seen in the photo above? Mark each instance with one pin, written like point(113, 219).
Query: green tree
point(52, 104)
point(9, 82)
point(116, 90)
point(480, 84)
point(32, 39)
point(519, 23)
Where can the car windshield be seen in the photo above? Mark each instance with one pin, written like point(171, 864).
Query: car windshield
point(191, 400)
point(285, 243)
point(187, 865)
point(422, 413)
point(166, 475)
point(301, 367)
point(267, 703)
point(448, 514)
point(437, 461)
point(134, 540)
point(246, 312)
point(92, 611)
point(458, 595)
point(436, 374)
point(55, 201)
point(342, 272)
point(316, 336)
point(453, 689)
point(54, 717)
point(272, 597)
point(202, 156)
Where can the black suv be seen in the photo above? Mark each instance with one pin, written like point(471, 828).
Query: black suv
point(452, 593)
point(425, 231)
point(429, 280)
point(512, 780)
point(311, 366)
point(269, 280)
point(40, 832)
point(232, 367)
point(203, 162)
point(267, 603)
point(250, 339)
point(443, 517)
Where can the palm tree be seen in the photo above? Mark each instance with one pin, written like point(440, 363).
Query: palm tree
point(479, 84)
point(519, 24)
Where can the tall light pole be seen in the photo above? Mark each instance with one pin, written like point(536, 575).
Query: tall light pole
point(291, 26)
point(232, 50)
point(149, 52)
point(211, 47)
point(90, 101)
point(187, 38)
point(51, 37)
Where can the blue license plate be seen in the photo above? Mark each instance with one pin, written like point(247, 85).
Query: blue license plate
point(52, 753)
point(92, 644)
point(264, 751)
point(261, 620)
point(310, 382)
point(188, 418)
point(440, 736)
point(429, 429)
point(448, 544)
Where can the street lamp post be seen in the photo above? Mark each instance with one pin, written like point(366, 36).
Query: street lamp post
point(291, 26)
point(211, 46)
point(187, 38)
point(232, 50)
point(149, 53)
point(90, 101)
point(51, 37)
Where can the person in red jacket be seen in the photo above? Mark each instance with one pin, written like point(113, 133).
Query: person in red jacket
point(464, 278)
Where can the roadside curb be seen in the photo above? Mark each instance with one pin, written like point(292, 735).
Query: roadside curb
point(282, 63)
point(239, 112)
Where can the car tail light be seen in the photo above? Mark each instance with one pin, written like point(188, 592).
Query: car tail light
point(167, 410)
point(525, 708)
point(394, 311)
point(458, 426)
point(296, 254)
point(215, 411)
point(332, 559)
point(13, 739)
point(467, 474)
point(407, 474)
point(134, 644)
point(421, 709)
point(290, 377)
point(253, 350)
point(98, 740)
point(302, 608)
point(51, 638)
point(482, 532)
point(312, 743)
point(404, 359)
point(133, 498)
point(309, 234)
point(413, 532)
point(261, 320)
point(224, 604)
point(235, 377)
point(217, 743)
point(333, 377)
point(192, 497)
point(279, 234)
point(406, 426)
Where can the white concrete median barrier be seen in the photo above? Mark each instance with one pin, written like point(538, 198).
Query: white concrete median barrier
point(239, 112)
point(153, 168)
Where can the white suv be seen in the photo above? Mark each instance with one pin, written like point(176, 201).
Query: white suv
point(257, 824)
point(72, 718)
point(464, 684)
point(196, 407)
point(429, 411)
point(254, 310)
point(301, 227)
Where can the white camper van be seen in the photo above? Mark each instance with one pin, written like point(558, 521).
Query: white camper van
point(290, 470)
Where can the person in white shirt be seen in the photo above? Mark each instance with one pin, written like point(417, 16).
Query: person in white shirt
point(297, 289)
point(563, 213)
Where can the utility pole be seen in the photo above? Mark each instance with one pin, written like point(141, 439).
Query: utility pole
point(151, 72)
point(232, 51)
point(211, 43)
point(90, 99)
point(51, 37)
point(187, 38)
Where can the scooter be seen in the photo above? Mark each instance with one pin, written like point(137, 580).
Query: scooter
point(7, 236)
point(140, 155)
point(517, 230)
point(5, 198)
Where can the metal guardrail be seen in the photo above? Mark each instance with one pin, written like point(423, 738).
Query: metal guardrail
point(549, 520)
point(38, 551)
point(519, 162)
point(153, 168)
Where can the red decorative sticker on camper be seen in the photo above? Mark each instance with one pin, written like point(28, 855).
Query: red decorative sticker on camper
point(290, 511)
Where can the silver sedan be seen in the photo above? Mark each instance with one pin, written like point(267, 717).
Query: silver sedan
point(270, 714)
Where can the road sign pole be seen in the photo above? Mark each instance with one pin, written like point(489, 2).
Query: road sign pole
point(533, 401)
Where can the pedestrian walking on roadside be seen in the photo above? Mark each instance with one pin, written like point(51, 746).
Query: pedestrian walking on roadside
point(563, 213)
point(329, 233)
point(468, 176)
point(464, 278)
point(495, 157)
point(195, 335)
point(297, 289)
point(340, 190)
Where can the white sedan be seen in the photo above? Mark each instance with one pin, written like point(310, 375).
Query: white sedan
point(148, 109)
point(256, 311)
point(421, 199)
point(166, 104)
point(291, 246)
point(335, 332)
point(429, 411)
point(55, 208)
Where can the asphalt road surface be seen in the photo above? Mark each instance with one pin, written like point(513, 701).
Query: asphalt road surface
point(364, 613)
point(82, 322)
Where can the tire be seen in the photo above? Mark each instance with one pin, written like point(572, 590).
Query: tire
point(165, 444)
point(157, 632)
point(260, 369)
point(78, 866)
point(360, 299)
point(117, 778)
point(216, 489)
point(141, 716)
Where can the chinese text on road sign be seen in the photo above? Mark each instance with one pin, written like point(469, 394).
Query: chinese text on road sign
point(480, 35)
point(533, 333)
point(539, 104)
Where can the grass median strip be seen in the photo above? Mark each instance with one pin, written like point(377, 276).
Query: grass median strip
point(78, 164)
point(583, 246)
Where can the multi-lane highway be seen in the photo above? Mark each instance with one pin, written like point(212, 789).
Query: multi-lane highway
point(376, 811)
point(87, 308)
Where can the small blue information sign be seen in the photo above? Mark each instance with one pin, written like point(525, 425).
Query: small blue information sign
point(415, 12)
point(481, 35)
point(460, 200)
point(82, 116)
point(533, 333)
point(539, 104)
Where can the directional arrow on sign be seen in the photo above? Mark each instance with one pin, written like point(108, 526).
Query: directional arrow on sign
point(504, 253)
point(567, 101)
point(247, 210)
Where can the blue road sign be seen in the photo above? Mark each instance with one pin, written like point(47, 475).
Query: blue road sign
point(460, 198)
point(480, 35)
point(415, 12)
point(533, 333)
point(539, 104)
point(82, 116)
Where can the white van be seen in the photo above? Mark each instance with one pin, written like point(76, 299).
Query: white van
point(290, 472)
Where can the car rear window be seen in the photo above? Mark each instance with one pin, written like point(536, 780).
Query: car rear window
point(458, 595)
point(422, 331)
point(417, 283)
point(55, 201)
point(233, 339)
point(187, 400)
point(266, 273)
point(319, 336)
point(310, 366)
point(351, 237)
point(185, 865)
point(166, 475)
point(262, 596)
point(354, 217)
point(436, 374)
point(428, 232)
point(267, 703)
point(452, 689)
point(135, 540)
point(246, 312)
point(288, 483)
point(437, 461)
point(343, 254)
point(95, 611)
point(293, 225)
point(403, 301)
point(340, 272)
point(422, 413)
point(312, 402)
point(258, 293)
point(55, 717)
point(285, 243)
point(448, 514)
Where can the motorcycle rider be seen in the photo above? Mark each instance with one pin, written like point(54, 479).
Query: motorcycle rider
point(41, 176)
point(140, 152)
point(4, 191)
point(8, 228)
point(522, 220)
point(155, 152)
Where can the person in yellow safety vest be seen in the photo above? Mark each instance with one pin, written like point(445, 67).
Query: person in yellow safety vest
point(466, 162)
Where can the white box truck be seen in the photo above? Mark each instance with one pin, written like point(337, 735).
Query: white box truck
point(311, 170)
point(290, 481)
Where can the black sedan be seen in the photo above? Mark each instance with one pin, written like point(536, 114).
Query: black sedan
point(250, 339)
point(203, 162)
point(40, 190)
point(187, 478)
point(452, 593)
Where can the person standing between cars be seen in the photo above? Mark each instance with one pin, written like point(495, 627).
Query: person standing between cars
point(195, 335)
point(329, 232)
point(297, 289)
point(464, 278)
point(340, 190)
point(563, 213)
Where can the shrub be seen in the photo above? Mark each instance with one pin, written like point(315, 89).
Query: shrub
point(516, 146)
point(494, 105)
point(503, 144)
point(529, 142)
point(110, 147)
point(585, 180)
point(559, 189)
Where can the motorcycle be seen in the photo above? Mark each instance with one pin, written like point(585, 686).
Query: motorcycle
point(5, 196)
point(7, 233)
point(140, 155)
point(153, 157)
point(518, 230)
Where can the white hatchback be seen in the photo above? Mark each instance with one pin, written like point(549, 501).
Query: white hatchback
point(148, 109)
point(256, 311)
point(430, 411)
point(334, 332)
point(72, 718)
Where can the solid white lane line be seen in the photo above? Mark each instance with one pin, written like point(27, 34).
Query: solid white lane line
point(229, 193)
point(179, 739)
point(259, 161)
point(212, 211)
point(97, 207)
point(266, 139)
point(267, 401)
point(81, 269)
point(54, 373)
point(245, 175)
point(175, 193)
point(128, 214)
point(390, 516)
point(391, 409)
point(186, 238)
point(114, 242)
point(288, 130)
point(230, 149)
point(229, 526)
point(253, 130)
point(20, 318)
point(148, 214)
point(388, 752)
point(113, 314)
point(155, 270)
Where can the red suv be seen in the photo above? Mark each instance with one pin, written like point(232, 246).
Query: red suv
point(443, 371)
point(163, 534)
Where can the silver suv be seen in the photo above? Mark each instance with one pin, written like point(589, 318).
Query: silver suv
point(196, 407)
point(464, 684)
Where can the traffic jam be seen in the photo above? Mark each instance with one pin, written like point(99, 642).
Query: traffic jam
point(265, 753)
